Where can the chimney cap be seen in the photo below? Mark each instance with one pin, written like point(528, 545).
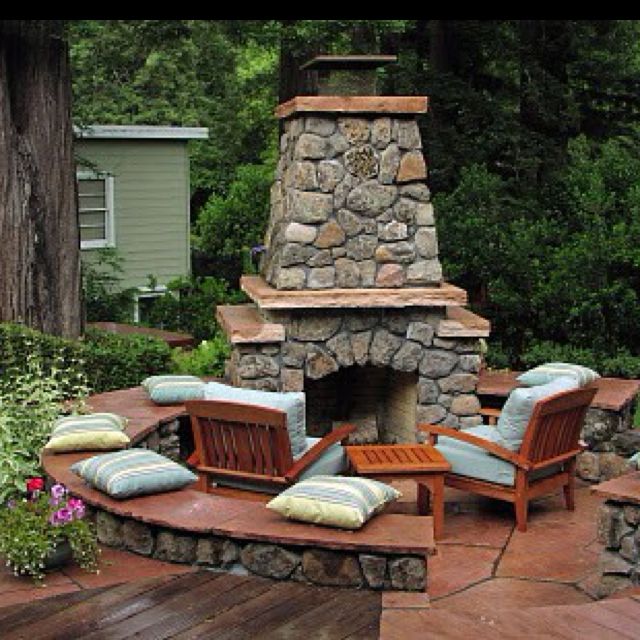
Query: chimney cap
point(351, 62)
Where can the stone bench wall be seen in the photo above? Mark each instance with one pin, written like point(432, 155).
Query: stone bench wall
point(612, 440)
point(318, 566)
point(619, 532)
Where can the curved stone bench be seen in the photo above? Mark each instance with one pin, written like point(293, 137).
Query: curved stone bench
point(228, 533)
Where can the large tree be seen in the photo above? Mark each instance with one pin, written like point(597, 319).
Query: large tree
point(40, 254)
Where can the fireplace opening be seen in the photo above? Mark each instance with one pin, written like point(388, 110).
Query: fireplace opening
point(380, 401)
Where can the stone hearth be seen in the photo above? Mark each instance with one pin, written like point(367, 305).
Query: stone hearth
point(350, 305)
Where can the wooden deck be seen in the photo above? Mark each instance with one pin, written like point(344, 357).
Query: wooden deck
point(198, 605)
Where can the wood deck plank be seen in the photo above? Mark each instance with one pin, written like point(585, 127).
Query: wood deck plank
point(14, 617)
point(155, 613)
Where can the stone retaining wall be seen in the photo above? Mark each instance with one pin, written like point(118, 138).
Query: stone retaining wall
point(612, 440)
point(619, 532)
point(303, 564)
point(165, 440)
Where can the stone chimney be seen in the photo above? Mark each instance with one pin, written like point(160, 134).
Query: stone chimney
point(351, 295)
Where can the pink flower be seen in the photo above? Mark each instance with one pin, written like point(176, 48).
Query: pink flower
point(61, 516)
point(58, 491)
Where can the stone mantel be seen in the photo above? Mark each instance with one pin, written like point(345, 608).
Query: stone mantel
point(268, 297)
point(396, 105)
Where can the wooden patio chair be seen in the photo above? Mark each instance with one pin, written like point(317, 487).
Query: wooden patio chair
point(247, 447)
point(545, 461)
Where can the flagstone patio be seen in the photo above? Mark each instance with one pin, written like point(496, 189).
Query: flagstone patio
point(482, 563)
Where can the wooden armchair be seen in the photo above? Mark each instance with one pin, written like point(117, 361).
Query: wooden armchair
point(242, 444)
point(546, 459)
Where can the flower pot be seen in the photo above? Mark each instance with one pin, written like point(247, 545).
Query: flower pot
point(59, 557)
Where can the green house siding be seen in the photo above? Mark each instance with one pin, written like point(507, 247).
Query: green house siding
point(151, 205)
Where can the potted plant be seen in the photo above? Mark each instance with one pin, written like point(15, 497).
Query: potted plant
point(44, 529)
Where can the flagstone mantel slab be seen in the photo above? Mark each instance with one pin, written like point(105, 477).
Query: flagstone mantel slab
point(410, 105)
point(243, 324)
point(268, 297)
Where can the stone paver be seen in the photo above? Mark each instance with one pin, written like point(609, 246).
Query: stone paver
point(482, 560)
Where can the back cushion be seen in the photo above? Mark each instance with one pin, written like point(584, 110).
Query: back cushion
point(551, 370)
point(293, 403)
point(518, 408)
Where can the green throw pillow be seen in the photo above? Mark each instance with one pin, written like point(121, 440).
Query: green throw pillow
point(551, 370)
point(98, 431)
point(134, 472)
point(334, 501)
point(173, 389)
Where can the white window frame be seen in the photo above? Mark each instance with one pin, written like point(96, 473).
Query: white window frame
point(109, 224)
point(146, 292)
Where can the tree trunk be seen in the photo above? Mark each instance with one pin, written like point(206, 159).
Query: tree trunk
point(40, 256)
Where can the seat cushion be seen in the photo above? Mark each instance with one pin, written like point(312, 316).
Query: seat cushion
point(133, 472)
point(474, 462)
point(165, 390)
point(332, 462)
point(293, 403)
point(334, 501)
point(549, 371)
point(518, 408)
point(99, 431)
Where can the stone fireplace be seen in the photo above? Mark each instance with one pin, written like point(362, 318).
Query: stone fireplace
point(350, 305)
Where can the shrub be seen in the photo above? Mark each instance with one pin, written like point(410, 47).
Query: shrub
point(102, 361)
point(104, 297)
point(207, 359)
point(113, 361)
point(32, 396)
point(190, 306)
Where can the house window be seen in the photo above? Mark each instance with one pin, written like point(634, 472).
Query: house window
point(95, 198)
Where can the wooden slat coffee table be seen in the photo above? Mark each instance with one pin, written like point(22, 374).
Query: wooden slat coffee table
point(420, 462)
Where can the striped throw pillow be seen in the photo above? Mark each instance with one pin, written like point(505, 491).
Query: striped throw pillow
point(334, 501)
point(133, 472)
point(97, 431)
point(170, 389)
point(544, 373)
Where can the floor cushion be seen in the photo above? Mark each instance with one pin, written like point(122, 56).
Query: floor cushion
point(334, 501)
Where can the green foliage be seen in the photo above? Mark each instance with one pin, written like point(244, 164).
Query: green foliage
point(620, 364)
point(216, 74)
point(100, 362)
point(36, 385)
point(31, 527)
point(114, 361)
point(230, 225)
point(104, 297)
point(207, 359)
point(190, 306)
point(531, 139)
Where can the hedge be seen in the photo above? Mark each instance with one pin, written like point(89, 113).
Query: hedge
point(106, 361)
